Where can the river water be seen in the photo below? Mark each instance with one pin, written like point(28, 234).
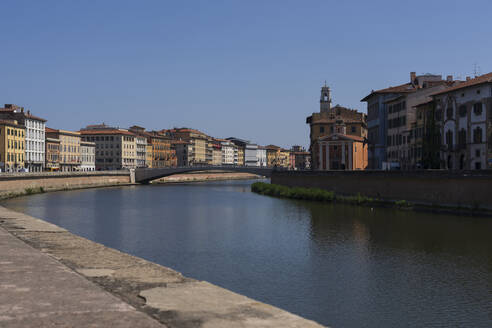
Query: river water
point(340, 265)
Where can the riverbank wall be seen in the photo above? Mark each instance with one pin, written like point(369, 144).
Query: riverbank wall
point(471, 189)
point(161, 293)
point(206, 176)
point(15, 184)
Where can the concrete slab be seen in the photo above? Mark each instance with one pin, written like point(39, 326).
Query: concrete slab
point(217, 307)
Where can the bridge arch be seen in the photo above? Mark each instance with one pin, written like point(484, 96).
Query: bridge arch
point(145, 175)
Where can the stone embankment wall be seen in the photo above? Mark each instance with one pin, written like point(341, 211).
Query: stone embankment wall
point(443, 188)
point(26, 183)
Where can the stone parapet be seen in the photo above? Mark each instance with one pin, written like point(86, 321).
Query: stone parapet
point(470, 189)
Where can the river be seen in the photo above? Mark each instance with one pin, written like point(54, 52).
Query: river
point(340, 265)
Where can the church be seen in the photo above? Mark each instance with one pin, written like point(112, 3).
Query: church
point(338, 136)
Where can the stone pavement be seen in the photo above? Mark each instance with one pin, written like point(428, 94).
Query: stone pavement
point(50, 277)
point(38, 291)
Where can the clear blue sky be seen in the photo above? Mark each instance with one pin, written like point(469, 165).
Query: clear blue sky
point(250, 69)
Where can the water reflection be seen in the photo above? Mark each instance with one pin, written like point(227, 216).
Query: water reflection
point(343, 266)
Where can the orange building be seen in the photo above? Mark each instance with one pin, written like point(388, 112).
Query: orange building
point(342, 152)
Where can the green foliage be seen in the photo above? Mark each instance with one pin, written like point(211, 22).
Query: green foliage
point(322, 195)
point(31, 191)
point(403, 204)
point(294, 193)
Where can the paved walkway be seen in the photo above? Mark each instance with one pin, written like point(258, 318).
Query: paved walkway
point(38, 291)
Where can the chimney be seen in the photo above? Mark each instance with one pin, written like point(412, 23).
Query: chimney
point(413, 76)
point(22, 109)
point(468, 78)
point(449, 78)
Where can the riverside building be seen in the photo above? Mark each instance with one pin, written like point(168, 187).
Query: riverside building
point(115, 149)
point(229, 153)
point(330, 121)
point(34, 136)
point(87, 156)
point(52, 158)
point(401, 142)
point(198, 141)
point(247, 152)
point(141, 150)
point(464, 113)
point(12, 146)
point(69, 148)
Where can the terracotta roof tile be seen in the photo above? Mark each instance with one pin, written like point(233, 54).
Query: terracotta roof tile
point(402, 88)
point(486, 78)
point(106, 131)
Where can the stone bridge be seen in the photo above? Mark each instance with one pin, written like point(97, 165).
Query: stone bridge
point(147, 175)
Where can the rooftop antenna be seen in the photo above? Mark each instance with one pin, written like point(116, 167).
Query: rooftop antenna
point(325, 83)
point(476, 69)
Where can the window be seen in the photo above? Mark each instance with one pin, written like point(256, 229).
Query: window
point(462, 111)
point(353, 129)
point(477, 153)
point(477, 135)
point(321, 129)
point(449, 112)
point(477, 108)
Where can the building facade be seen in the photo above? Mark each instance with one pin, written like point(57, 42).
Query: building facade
point(52, 161)
point(12, 146)
point(183, 149)
point(333, 120)
point(342, 152)
point(402, 120)
point(35, 135)
point(247, 152)
point(69, 148)
point(261, 157)
point(465, 115)
point(87, 156)
point(199, 142)
point(229, 153)
point(299, 158)
point(277, 156)
point(115, 149)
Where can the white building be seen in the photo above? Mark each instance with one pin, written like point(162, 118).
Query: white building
point(261, 156)
point(229, 153)
point(35, 135)
point(87, 156)
point(141, 150)
point(464, 112)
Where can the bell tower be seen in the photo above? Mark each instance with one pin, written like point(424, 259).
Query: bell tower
point(325, 100)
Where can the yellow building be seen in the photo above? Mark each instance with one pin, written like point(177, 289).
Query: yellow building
point(198, 141)
point(277, 157)
point(148, 155)
point(69, 148)
point(240, 156)
point(12, 146)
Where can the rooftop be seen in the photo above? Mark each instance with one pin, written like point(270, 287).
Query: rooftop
point(486, 78)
